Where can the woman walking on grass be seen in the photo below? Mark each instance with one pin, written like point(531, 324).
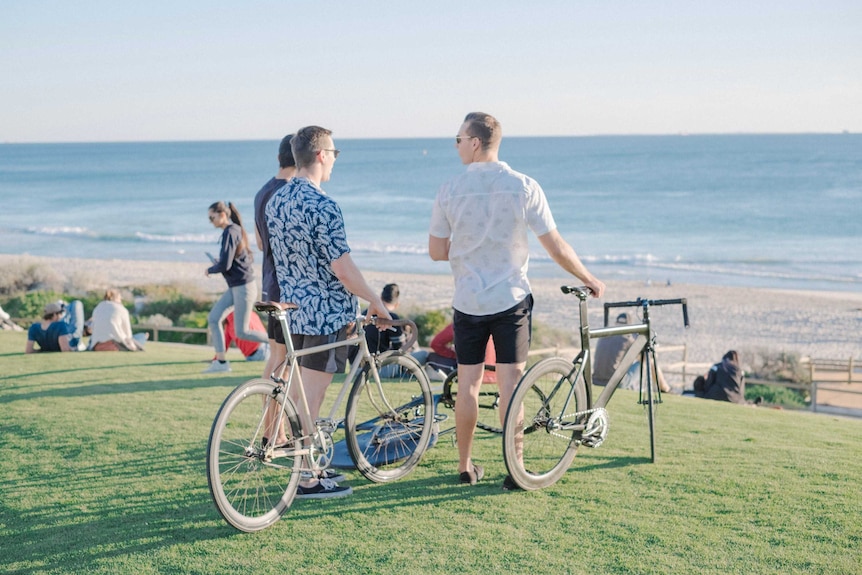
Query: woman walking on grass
point(235, 264)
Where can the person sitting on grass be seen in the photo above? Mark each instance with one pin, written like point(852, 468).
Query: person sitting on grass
point(725, 381)
point(58, 330)
point(112, 328)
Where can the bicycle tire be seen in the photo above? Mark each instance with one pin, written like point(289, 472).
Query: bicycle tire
point(546, 452)
point(489, 402)
point(252, 485)
point(389, 426)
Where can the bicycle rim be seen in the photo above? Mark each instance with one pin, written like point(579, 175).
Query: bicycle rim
point(389, 426)
point(251, 484)
point(538, 442)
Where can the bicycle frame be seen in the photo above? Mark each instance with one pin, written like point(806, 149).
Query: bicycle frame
point(363, 356)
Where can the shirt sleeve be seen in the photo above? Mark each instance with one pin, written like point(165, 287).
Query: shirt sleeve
point(439, 227)
point(538, 211)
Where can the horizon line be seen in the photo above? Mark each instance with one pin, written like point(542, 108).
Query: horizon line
point(620, 135)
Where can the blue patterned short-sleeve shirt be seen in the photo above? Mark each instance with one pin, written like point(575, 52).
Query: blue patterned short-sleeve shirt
point(306, 234)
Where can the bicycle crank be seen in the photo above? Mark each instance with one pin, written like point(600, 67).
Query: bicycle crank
point(596, 429)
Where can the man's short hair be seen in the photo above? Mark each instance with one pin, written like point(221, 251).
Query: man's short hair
point(390, 293)
point(306, 143)
point(485, 127)
point(285, 154)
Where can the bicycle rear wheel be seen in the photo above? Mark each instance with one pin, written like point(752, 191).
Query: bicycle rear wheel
point(389, 426)
point(541, 428)
point(253, 484)
point(489, 402)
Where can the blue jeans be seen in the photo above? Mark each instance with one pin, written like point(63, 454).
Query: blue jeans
point(75, 319)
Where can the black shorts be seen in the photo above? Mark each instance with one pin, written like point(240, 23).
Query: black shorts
point(274, 331)
point(510, 330)
point(330, 361)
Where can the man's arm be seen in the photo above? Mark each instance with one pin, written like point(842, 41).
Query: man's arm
point(31, 348)
point(438, 248)
point(566, 258)
point(347, 273)
point(63, 340)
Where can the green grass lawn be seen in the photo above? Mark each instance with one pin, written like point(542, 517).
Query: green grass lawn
point(102, 470)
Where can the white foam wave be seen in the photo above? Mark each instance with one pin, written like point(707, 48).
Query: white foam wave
point(178, 238)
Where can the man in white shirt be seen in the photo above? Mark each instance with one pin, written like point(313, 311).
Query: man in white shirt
point(479, 224)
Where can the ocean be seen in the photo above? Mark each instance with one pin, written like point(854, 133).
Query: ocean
point(780, 211)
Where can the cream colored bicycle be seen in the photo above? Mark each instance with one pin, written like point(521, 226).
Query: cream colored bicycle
point(388, 425)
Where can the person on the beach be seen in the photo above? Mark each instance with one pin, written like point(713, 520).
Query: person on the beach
point(609, 353)
point(111, 326)
point(316, 272)
point(479, 224)
point(725, 381)
point(269, 281)
point(60, 329)
point(235, 264)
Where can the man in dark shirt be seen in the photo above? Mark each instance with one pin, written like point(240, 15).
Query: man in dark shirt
point(54, 333)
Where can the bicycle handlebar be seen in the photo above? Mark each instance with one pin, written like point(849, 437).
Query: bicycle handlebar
point(272, 307)
point(583, 292)
point(644, 302)
point(410, 338)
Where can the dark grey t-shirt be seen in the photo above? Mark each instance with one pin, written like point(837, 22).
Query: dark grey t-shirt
point(269, 281)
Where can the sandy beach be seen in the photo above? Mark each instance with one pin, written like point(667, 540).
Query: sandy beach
point(751, 320)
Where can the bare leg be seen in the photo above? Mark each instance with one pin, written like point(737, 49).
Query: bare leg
point(314, 384)
point(467, 412)
point(277, 353)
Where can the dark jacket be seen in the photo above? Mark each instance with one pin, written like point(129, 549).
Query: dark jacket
point(725, 382)
point(235, 266)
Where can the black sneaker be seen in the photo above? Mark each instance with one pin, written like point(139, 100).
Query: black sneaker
point(510, 485)
point(472, 477)
point(328, 473)
point(324, 489)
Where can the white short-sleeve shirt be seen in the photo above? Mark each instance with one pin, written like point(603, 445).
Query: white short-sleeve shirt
point(486, 212)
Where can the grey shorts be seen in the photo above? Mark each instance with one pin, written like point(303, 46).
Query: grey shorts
point(330, 361)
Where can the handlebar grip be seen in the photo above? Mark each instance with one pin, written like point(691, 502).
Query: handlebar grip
point(685, 313)
point(411, 334)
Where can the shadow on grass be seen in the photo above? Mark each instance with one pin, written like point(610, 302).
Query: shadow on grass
point(139, 515)
point(73, 370)
point(71, 390)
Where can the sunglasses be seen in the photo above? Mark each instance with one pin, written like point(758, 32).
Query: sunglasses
point(334, 152)
point(459, 138)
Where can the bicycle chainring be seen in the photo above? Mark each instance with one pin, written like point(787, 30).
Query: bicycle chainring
point(597, 428)
point(323, 449)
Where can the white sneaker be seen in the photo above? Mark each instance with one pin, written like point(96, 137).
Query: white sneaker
point(217, 367)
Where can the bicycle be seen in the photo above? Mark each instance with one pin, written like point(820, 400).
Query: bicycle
point(552, 411)
point(388, 425)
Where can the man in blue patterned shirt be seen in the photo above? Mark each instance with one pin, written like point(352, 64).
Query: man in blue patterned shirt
point(315, 271)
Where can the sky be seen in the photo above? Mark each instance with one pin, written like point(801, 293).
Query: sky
point(92, 71)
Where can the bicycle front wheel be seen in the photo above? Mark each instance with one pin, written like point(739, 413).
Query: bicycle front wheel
point(541, 428)
point(389, 425)
point(252, 481)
